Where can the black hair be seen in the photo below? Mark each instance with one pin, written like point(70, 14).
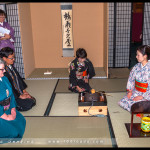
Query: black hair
point(144, 50)
point(6, 51)
point(81, 53)
point(2, 12)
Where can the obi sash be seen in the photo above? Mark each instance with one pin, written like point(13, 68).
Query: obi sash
point(84, 73)
point(141, 86)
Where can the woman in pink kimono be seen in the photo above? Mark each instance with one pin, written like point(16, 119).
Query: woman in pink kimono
point(6, 32)
point(138, 85)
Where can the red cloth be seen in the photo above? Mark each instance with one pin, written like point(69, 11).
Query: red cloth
point(137, 23)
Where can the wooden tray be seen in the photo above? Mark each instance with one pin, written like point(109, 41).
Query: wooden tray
point(136, 131)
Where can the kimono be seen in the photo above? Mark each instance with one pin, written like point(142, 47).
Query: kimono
point(139, 83)
point(8, 42)
point(79, 72)
point(10, 130)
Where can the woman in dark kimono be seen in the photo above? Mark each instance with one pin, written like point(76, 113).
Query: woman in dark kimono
point(12, 122)
point(6, 39)
point(81, 70)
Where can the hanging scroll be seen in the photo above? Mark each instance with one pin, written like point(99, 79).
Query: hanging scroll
point(67, 37)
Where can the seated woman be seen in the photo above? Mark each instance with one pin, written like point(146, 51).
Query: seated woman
point(81, 70)
point(138, 85)
point(12, 123)
point(7, 38)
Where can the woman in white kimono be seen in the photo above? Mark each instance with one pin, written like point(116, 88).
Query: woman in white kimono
point(138, 85)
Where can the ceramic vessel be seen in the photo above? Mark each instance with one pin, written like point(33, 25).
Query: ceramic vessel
point(145, 124)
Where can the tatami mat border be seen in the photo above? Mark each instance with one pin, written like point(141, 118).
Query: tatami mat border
point(47, 111)
point(112, 134)
point(61, 78)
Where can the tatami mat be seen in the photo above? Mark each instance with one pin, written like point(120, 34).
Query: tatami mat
point(100, 73)
point(119, 117)
point(62, 86)
point(65, 104)
point(56, 73)
point(64, 132)
point(118, 72)
point(60, 73)
point(42, 91)
point(107, 85)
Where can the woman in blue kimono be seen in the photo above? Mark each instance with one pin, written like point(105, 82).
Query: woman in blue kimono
point(12, 122)
point(138, 85)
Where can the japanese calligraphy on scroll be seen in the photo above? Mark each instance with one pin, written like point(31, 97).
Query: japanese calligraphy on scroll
point(67, 37)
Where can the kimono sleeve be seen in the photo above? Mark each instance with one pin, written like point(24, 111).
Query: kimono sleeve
point(146, 95)
point(22, 84)
point(91, 70)
point(72, 76)
point(13, 101)
point(131, 79)
point(11, 31)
